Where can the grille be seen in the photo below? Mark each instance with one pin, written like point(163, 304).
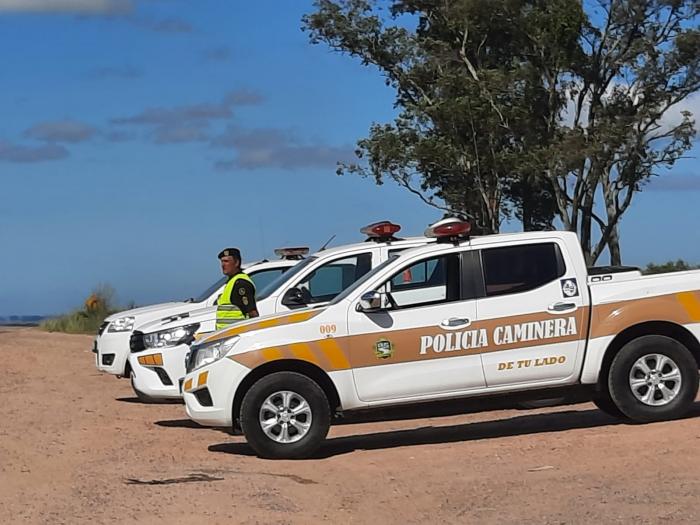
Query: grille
point(102, 327)
point(136, 343)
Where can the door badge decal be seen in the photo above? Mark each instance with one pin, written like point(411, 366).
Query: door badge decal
point(383, 349)
point(569, 287)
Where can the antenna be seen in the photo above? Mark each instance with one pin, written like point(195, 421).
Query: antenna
point(327, 243)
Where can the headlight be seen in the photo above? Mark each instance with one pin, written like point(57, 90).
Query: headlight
point(123, 324)
point(171, 337)
point(208, 353)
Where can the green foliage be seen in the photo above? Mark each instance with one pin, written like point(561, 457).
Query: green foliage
point(671, 266)
point(471, 103)
point(525, 108)
point(88, 319)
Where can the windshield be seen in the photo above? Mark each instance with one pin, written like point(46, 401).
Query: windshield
point(207, 293)
point(284, 278)
point(357, 284)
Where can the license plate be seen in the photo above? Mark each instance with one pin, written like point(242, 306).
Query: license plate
point(94, 347)
point(180, 382)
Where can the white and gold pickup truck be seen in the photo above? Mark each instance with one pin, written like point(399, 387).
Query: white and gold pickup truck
point(481, 316)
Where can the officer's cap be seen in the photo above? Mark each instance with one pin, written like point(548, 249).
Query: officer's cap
point(230, 252)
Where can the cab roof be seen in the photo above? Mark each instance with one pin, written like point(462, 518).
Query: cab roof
point(370, 243)
point(483, 240)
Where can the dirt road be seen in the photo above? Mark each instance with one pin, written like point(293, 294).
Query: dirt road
point(76, 447)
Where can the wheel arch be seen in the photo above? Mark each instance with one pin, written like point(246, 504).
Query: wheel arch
point(305, 368)
point(669, 329)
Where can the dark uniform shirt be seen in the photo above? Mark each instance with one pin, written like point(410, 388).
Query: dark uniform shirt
point(243, 296)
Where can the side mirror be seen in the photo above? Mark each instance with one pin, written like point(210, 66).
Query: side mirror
point(371, 301)
point(293, 297)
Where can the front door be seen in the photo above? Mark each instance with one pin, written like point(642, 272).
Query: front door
point(422, 344)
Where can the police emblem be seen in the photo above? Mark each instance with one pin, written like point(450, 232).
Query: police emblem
point(241, 291)
point(569, 287)
point(383, 349)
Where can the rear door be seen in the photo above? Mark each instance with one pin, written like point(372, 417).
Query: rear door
point(534, 310)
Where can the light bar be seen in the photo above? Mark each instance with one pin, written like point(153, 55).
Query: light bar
point(292, 253)
point(380, 229)
point(450, 228)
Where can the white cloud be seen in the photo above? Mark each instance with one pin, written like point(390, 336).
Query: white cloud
point(670, 119)
point(85, 7)
point(674, 116)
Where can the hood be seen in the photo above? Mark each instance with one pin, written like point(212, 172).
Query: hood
point(287, 318)
point(175, 318)
point(144, 310)
point(183, 316)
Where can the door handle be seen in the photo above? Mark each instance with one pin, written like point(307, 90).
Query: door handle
point(561, 307)
point(455, 322)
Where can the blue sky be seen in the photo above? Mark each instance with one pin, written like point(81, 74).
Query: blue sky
point(140, 137)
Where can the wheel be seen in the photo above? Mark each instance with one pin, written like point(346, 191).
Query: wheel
point(604, 402)
point(653, 378)
point(285, 415)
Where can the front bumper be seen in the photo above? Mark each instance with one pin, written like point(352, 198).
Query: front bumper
point(152, 380)
point(210, 392)
point(112, 352)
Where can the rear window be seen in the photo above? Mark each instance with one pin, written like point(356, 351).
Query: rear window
point(517, 269)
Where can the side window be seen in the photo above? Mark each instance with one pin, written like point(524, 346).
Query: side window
point(265, 277)
point(324, 283)
point(517, 269)
point(430, 281)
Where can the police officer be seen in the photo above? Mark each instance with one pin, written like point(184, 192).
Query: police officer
point(237, 301)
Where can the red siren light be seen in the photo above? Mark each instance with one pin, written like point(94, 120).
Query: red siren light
point(292, 253)
point(449, 229)
point(380, 230)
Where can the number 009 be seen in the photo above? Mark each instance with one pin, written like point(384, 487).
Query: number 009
point(328, 329)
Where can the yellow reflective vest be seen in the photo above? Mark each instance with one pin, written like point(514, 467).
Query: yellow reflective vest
point(226, 312)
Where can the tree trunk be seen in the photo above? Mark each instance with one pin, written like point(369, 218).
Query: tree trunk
point(614, 247)
point(585, 233)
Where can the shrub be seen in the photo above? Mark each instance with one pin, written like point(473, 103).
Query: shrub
point(88, 319)
point(671, 266)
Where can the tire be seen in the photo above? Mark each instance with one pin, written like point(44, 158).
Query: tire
point(604, 403)
point(634, 380)
point(280, 390)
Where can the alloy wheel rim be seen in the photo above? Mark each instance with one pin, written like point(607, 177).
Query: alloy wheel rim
point(285, 417)
point(655, 380)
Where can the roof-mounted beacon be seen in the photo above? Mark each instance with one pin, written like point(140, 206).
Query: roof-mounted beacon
point(382, 231)
point(451, 229)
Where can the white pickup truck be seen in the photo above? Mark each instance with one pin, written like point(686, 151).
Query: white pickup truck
point(159, 348)
point(111, 345)
point(517, 313)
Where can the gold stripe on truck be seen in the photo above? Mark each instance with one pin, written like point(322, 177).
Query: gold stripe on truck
point(489, 335)
point(249, 326)
point(342, 353)
point(611, 319)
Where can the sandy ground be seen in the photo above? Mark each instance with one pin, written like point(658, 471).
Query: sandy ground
point(77, 447)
